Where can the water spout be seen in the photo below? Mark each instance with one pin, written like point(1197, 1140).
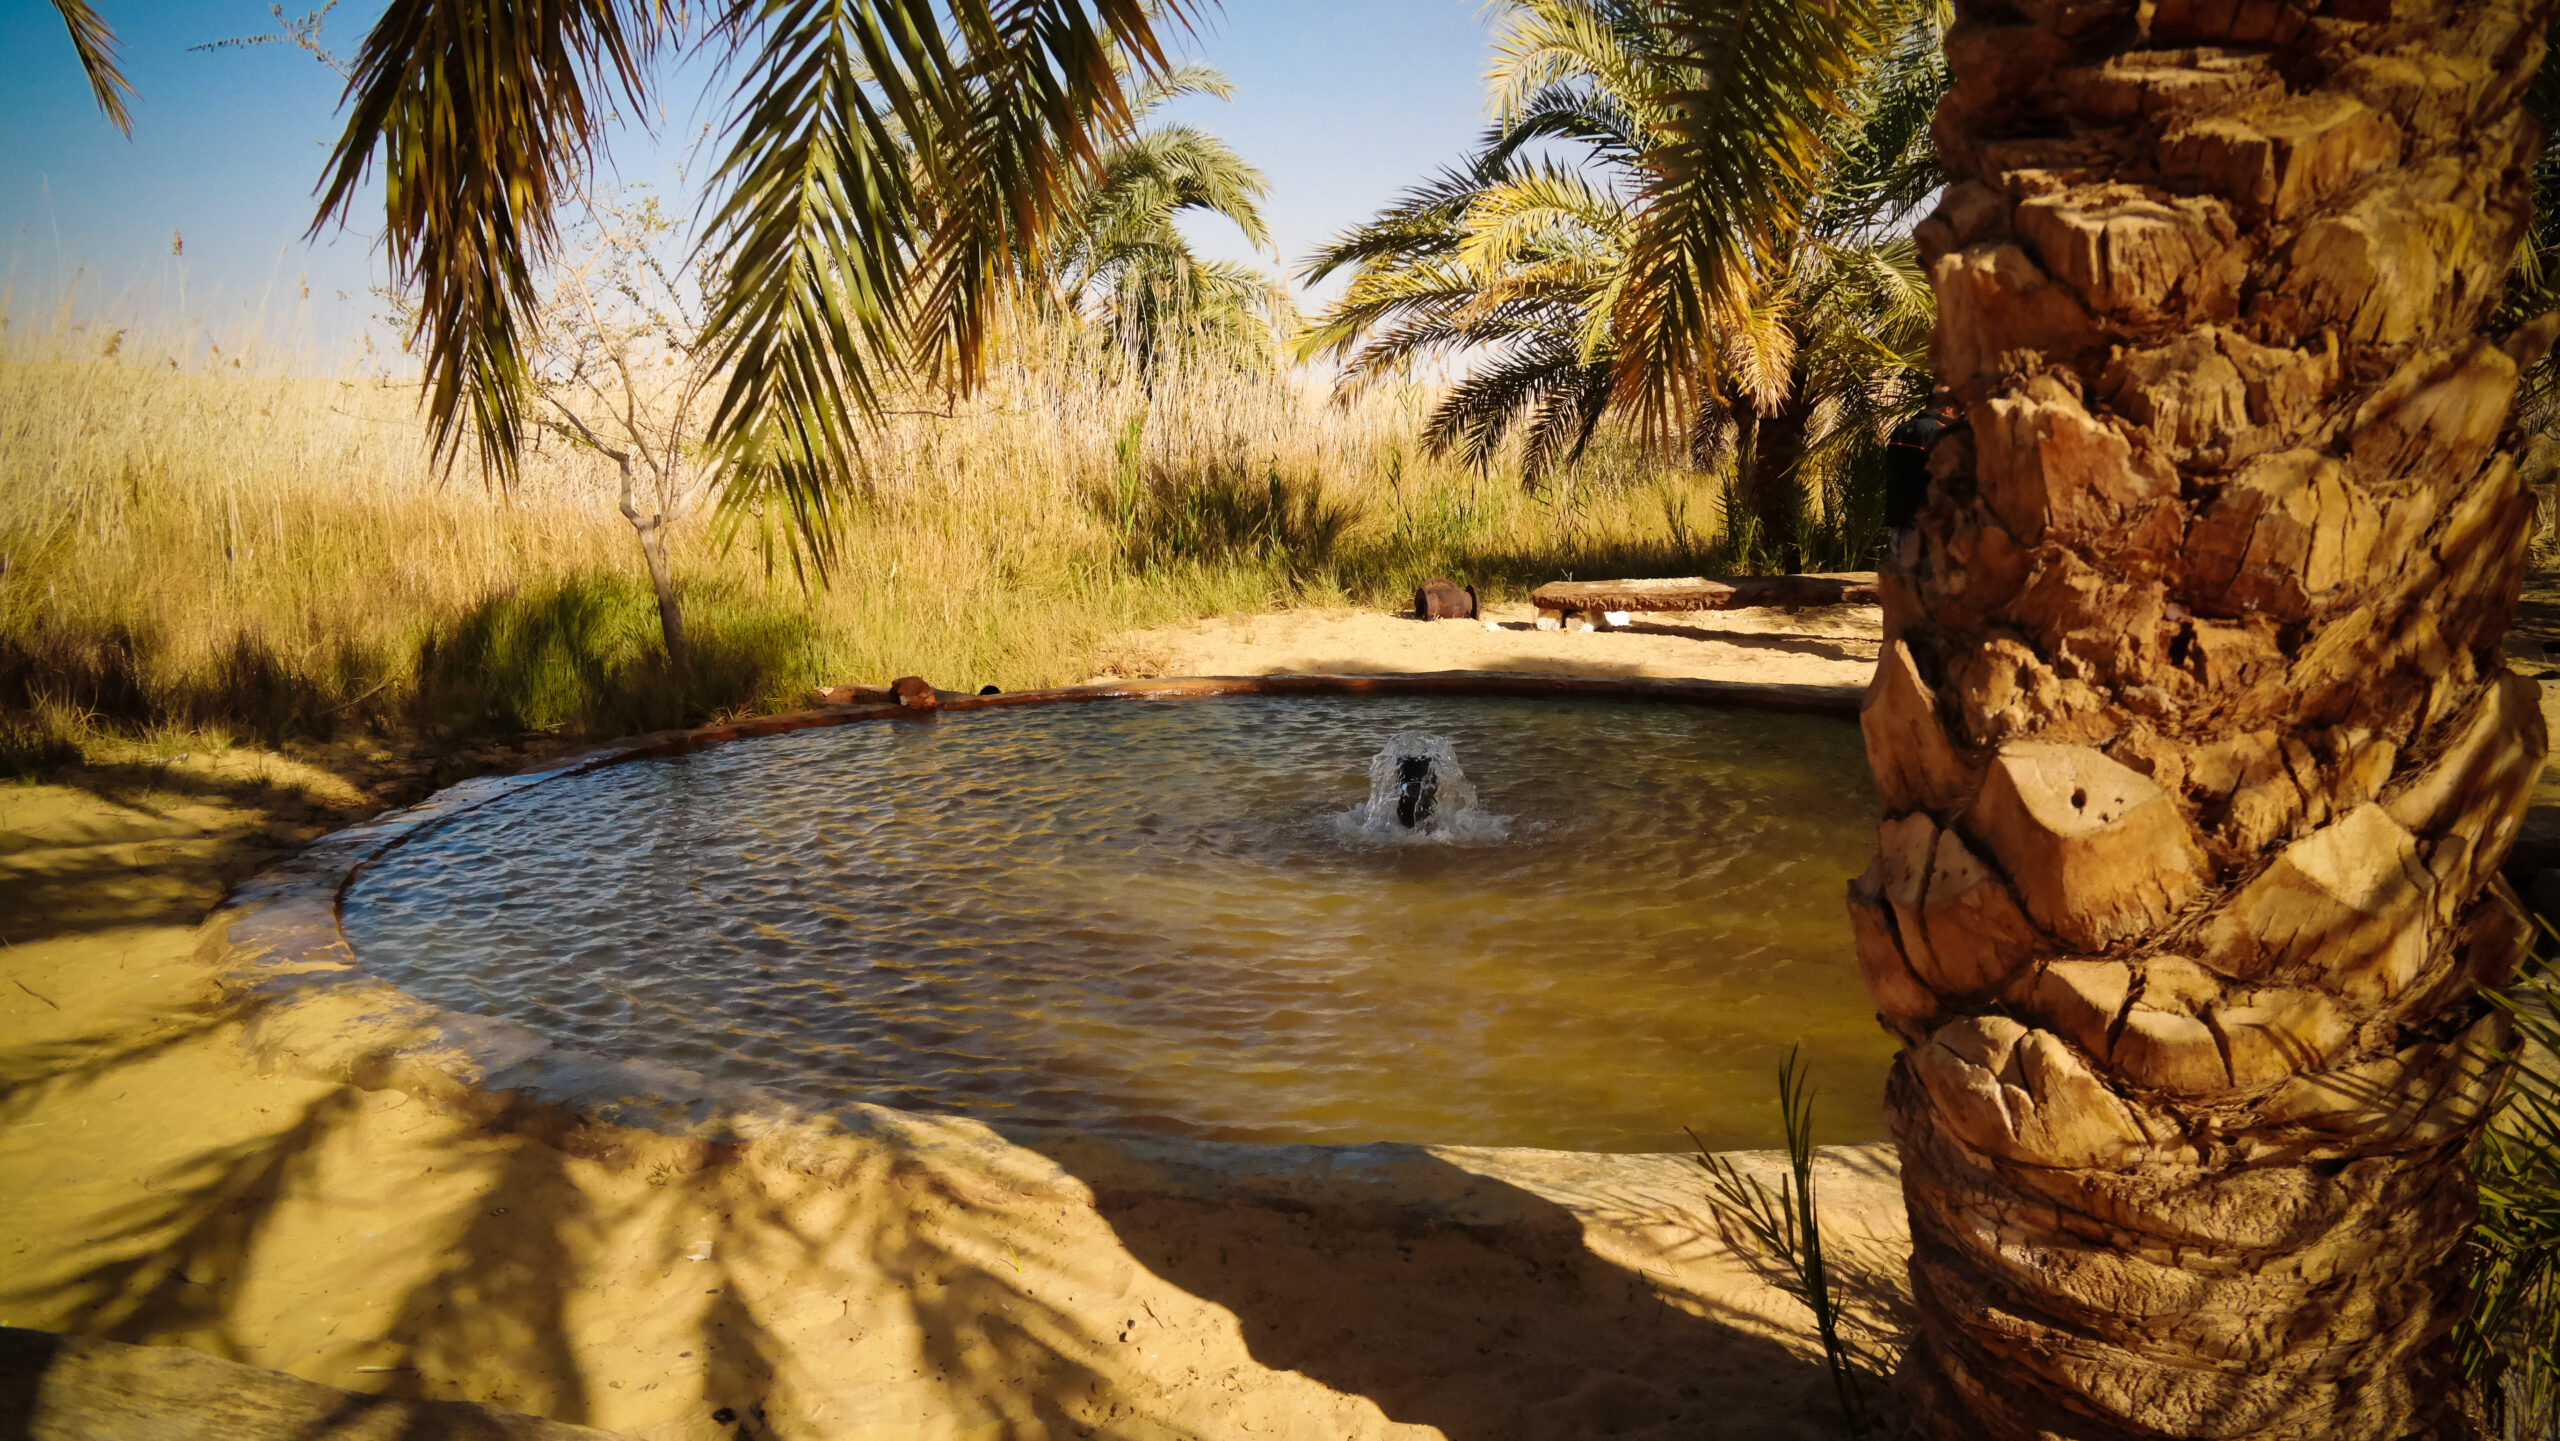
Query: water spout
point(1418, 792)
point(1416, 789)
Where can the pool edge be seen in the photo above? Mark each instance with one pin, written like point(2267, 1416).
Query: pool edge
point(307, 1005)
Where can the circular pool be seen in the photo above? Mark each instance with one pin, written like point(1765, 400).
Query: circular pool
point(1184, 918)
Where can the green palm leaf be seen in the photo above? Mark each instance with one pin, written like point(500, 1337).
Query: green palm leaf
point(1752, 95)
point(483, 116)
point(893, 170)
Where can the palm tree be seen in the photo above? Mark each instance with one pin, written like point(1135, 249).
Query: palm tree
point(1771, 293)
point(1526, 269)
point(1121, 260)
point(892, 171)
point(2196, 745)
point(1501, 263)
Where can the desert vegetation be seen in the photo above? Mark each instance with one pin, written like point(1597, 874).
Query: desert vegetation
point(201, 535)
point(193, 545)
point(2189, 738)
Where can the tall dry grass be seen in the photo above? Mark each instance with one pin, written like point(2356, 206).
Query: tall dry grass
point(191, 540)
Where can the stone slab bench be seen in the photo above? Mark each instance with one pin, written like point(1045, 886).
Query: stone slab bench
point(1595, 600)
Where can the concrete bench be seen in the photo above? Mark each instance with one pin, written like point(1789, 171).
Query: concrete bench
point(1596, 600)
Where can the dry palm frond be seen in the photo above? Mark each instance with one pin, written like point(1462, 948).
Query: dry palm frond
point(95, 44)
point(1760, 351)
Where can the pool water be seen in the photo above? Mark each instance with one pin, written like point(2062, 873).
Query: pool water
point(1171, 918)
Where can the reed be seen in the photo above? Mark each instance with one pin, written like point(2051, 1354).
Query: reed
point(191, 537)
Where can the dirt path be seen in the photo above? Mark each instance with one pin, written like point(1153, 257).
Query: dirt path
point(1828, 646)
point(928, 1280)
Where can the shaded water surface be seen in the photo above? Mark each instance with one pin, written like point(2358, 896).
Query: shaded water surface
point(1161, 918)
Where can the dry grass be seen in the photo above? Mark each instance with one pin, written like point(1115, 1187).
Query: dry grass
point(188, 541)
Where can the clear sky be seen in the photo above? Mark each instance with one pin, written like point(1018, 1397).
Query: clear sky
point(1343, 103)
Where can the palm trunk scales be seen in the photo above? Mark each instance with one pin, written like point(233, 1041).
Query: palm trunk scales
point(2196, 748)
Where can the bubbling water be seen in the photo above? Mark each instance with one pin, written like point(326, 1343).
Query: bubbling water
point(1419, 793)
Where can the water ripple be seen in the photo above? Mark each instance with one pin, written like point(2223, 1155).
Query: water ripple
point(1147, 918)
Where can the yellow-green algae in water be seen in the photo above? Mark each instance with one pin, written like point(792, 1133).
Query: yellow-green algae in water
point(1164, 918)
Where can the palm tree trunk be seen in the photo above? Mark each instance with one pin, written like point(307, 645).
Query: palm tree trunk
point(2196, 746)
point(1775, 490)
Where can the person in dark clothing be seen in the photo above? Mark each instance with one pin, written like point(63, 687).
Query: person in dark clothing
point(1906, 469)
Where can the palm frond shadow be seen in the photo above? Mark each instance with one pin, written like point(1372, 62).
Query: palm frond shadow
point(162, 1265)
point(1403, 1305)
point(504, 1246)
point(30, 1072)
point(1870, 1292)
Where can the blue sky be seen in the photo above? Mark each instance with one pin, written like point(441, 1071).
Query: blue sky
point(1342, 103)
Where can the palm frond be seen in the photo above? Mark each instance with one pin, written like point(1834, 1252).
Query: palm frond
point(893, 169)
point(1717, 245)
point(812, 248)
point(483, 116)
point(1122, 260)
point(96, 46)
point(1613, 131)
point(1043, 90)
point(1567, 418)
point(1156, 91)
point(1760, 352)
point(1886, 167)
point(1546, 214)
point(1425, 221)
point(1477, 413)
point(1754, 88)
point(1608, 48)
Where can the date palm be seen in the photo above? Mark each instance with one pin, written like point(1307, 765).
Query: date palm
point(1121, 260)
point(890, 171)
point(1505, 265)
point(2196, 745)
point(1538, 273)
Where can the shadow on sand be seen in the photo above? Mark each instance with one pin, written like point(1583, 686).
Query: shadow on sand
point(795, 1288)
point(1486, 1331)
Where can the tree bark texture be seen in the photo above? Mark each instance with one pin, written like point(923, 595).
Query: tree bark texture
point(2197, 751)
point(652, 530)
point(653, 549)
point(1775, 487)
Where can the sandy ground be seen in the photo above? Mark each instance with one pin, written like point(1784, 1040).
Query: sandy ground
point(157, 1187)
point(1824, 646)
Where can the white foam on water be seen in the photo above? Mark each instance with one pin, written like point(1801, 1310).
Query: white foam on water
point(1455, 819)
